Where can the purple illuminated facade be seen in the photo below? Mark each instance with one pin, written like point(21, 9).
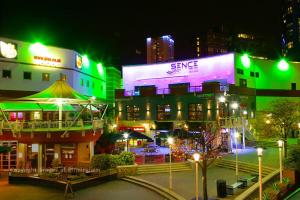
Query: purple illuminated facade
point(194, 72)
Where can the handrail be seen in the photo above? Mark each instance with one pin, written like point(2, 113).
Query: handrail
point(293, 193)
point(49, 125)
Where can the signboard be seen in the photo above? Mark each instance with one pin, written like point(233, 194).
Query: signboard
point(134, 128)
point(195, 72)
point(8, 50)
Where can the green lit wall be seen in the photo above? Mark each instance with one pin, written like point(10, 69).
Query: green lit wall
point(114, 81)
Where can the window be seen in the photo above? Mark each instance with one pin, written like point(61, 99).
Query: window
point(163, 112)
point(243, 82)
point(27, 75)
point(132, 112)
point(81, 82)
point(6, 73)
point(87, 83)
point(256, 74)
point(252, 74)
point(239, 71)
point(294, 86)
point(195, 112)
point(45, 77)
point(290, 45)
point(63, 77)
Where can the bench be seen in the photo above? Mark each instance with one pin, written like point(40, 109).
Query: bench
point(246, 180)
point(231, 189)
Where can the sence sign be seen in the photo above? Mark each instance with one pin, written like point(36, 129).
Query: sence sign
point(8, 50)
point(45, 60)
point(191, 66)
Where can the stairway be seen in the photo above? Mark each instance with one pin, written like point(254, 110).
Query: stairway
point(164, 192)
point(243, 166)
point(162, 168)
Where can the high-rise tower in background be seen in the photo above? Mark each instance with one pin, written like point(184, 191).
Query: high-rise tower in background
point(291, 29)
point(160, 49)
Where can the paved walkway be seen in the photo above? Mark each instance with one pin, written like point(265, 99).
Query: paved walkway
point(113, 190)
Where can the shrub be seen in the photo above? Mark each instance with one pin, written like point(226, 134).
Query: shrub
point(293, 159)
point(114, 161)
point(101, 161)
point(126, 158)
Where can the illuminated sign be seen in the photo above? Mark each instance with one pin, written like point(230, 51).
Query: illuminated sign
point(45, 60)
point(78, 61)
point(8, 50)
point(194, 71)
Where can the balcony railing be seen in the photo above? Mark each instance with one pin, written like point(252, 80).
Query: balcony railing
point(163, 91)
point(37, 126)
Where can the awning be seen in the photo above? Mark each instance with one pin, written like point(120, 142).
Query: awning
point(54, 107)
point(18, 106)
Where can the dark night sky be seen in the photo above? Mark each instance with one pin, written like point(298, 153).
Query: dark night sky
point(113, 32)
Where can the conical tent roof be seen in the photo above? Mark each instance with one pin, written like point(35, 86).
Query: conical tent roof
point(59, 90)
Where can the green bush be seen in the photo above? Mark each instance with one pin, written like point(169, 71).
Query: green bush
point(101, 161)
point(126, 158)
point(114, 161)
point(293, 158)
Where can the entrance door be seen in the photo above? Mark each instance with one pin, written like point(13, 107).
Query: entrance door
point(8, 160)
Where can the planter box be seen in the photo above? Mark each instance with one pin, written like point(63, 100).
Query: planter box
point(126, 170)
point(292, 175)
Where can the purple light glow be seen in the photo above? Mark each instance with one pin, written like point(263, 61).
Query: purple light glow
point(195, 72)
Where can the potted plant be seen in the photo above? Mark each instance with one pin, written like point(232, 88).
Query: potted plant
point(292, 165)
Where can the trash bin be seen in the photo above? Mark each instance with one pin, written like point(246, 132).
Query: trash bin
point(221, 188)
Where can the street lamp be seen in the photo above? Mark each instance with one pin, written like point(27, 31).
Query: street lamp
point(259, 154)
point(170, 142)
point(126, 138)
point(196, 156)
point(236, 135)
point(280, 145)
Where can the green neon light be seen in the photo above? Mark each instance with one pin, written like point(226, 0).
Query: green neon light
point(283, 65)
point(85, 61)
point(100, 69)
point(245, 60)
point(38, 48)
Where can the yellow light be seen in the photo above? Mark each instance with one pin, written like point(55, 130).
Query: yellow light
point(222, 99)
point(125, 135)
point(268, 121)
point(170, 140)
point(236, 135)
point(280, 143)
point(234, 105)
point(259, 151)
point(196, 156)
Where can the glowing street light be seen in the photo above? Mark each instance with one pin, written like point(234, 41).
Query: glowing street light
point(170, 142)
point(259, 154)
point(234, 105)
point(236, 135)
point(280, 145)
point(222, 99)
point(196, 157)
point(126, 135)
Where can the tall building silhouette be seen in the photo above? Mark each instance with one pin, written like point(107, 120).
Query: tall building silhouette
point(160, 49)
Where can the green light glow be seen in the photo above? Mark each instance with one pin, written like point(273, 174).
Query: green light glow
point(283, 65)
point(100, 69)
point(85, 61)
point(245, 60)
point(38, 48)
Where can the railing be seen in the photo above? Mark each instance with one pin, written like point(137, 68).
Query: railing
point(163, 91)
point(17, 126)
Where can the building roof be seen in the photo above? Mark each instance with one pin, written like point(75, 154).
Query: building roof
point(59, 90)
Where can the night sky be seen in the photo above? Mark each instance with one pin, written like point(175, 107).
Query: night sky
point(115, 33)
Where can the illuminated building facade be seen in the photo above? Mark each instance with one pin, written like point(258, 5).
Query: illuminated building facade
point(186, 94)
point(291, 29)
point(27, 68)
point(63, 116)
point(160, 49)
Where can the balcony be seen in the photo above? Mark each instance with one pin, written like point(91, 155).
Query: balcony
point(50, 126)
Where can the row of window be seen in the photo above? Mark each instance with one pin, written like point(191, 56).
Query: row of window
point(26, 75)
point(195, 112)
point(240, 71)
point(243, 83)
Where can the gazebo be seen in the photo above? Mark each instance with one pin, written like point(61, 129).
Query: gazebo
point(32, 121)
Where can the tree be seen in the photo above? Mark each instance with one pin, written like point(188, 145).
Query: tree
point(209, 147)
point(285, 116)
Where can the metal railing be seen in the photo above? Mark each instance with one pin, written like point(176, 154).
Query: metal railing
point(17, 126)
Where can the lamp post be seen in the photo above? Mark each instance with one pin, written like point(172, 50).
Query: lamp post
point(196, 158)
point(236, 135)
point(259, 154)
point(280, 145)
point(170, 142)
point(126, 138)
